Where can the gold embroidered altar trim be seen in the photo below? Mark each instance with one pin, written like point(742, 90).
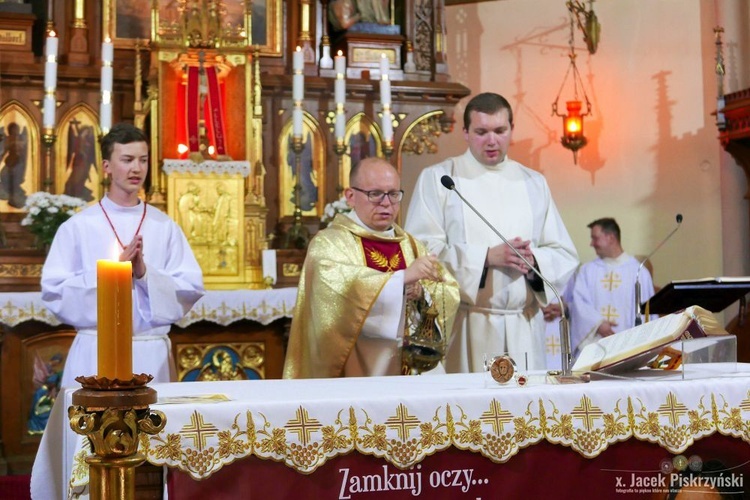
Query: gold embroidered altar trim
point(222, 307)
point(304, 440)
point(225, 314)
point(16, 309)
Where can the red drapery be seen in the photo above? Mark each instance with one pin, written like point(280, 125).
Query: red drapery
point(212, 107)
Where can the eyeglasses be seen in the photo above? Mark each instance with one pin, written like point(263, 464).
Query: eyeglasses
point(377, 196)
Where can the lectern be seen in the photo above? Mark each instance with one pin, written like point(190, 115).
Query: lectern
point(714, 294)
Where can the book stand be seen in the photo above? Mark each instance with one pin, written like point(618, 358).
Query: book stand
point(706, 357)
point(713, 294)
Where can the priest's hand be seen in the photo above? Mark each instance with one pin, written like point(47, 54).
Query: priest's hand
point(552, 311)
point(605, 329)
point(134, 253)
point(504, 256)
point(423, 268)
point(413, 291)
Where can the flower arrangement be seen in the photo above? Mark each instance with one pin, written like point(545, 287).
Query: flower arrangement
point(46, 212)
point(335, 207)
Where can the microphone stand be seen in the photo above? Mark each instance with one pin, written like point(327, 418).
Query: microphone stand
point(638, 317)
point(565, 375)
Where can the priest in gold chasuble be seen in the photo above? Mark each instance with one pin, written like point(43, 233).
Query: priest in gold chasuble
point(361, 286)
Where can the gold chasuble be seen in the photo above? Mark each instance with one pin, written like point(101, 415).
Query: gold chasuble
point(345, 269)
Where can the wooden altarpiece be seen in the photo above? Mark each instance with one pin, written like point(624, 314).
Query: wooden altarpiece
point(207, 148)
point(734, 134)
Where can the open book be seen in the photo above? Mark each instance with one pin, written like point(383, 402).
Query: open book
point(633, 348)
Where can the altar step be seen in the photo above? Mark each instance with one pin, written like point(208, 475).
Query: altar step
point(148, 484)
point(15, 487)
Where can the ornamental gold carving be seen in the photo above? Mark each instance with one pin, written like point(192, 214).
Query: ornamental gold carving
point(20, 270)
point(226, 361)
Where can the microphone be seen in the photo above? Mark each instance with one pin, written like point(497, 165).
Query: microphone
point(638, 318)
point(567, 359)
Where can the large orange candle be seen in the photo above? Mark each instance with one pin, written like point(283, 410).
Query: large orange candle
point(115, 319)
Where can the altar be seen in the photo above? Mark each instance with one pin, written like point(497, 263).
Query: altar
point(452, 436)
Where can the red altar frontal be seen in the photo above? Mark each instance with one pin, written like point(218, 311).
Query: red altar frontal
point(455, 436)
point(632, 469)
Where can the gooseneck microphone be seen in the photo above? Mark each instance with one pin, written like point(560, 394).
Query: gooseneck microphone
point(638, 317)
point(449, 184)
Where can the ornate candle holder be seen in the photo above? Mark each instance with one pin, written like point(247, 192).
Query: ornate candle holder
point(48, 140)
point(388, 149)
point(112, 414)
point(297, 236)
point(340, 149)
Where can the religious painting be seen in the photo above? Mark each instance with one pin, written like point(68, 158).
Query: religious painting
point(307, 167)
point(79, 157)
point(131, 20)
point(209, 207)
point(19, 157)
point(362, 141)
point(43, 361)
point(240, 361)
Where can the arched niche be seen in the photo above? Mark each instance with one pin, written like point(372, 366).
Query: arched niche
point(312, 169)
point(78, 171)
point(19, 156)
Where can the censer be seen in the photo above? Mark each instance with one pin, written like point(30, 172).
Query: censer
point(424, 340)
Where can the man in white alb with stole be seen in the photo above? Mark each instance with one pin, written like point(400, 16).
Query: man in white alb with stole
point(603, 299)
point(501, 298)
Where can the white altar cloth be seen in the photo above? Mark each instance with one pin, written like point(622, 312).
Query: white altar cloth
point(304, 423)
point(240, 167)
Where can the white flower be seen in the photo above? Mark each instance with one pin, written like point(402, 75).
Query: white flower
point(45, 213)
point(330, 211)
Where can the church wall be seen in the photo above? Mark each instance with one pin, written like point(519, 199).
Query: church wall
point(653, 150)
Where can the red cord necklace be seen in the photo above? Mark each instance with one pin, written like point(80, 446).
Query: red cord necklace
point(143, 217)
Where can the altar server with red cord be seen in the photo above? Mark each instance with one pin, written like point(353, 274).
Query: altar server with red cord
point(167, 281)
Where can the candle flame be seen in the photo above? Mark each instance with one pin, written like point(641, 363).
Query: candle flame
point(211, 149)
point(52, 33)
point(299, 49)
point(182, 148)
point(339, 53)
point(108, 39)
